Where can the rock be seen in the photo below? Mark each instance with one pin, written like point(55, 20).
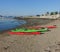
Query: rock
point(48, 49)
point(58, 43)
point(6, 47)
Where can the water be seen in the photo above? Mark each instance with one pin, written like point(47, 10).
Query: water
point(6, 24)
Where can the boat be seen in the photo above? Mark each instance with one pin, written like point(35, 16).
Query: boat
point(30, 30)
point(24, 33)
point(37, 27)
point(50, 27)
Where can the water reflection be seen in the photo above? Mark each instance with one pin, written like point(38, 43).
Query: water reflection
point(6, 24)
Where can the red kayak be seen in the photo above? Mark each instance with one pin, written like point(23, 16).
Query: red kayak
point(51, 27)
point(24, 33)
point(37, 27)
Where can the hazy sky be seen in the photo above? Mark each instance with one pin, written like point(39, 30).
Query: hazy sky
point(28, 7)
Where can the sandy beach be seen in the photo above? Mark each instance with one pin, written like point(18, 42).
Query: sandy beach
point(32, 43)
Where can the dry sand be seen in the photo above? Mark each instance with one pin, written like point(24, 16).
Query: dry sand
point(33, 43)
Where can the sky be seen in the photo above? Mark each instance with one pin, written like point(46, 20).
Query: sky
point(27, 7)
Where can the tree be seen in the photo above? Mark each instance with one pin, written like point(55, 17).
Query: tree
point(56, 12)
point(52, 13)
point(37, 15)
point(47, 13)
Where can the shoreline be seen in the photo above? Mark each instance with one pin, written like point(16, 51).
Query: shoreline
point(30, 23)
point(30, 43)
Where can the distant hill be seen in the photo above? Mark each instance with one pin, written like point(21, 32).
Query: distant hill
point(7, 16)
point(1, 16)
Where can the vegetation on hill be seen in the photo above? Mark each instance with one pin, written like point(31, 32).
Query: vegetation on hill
point(37, 15)
point(46, 14)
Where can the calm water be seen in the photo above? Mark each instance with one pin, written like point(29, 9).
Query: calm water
point(6, 24)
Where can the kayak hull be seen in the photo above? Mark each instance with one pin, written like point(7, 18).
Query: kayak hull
point(30, 30)
point(24, 33)
point(37, 27)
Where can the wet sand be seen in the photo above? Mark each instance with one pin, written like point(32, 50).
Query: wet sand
point(32, 43)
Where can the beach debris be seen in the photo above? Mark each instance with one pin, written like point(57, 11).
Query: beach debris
point(48, 49)
point(57, 50)
point(6, 47)
point(58, 43)
point(11, 41)
point(53, 46)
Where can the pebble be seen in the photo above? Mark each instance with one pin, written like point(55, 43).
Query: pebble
point(48, 49)
point(6, 47)
point(53, 48)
